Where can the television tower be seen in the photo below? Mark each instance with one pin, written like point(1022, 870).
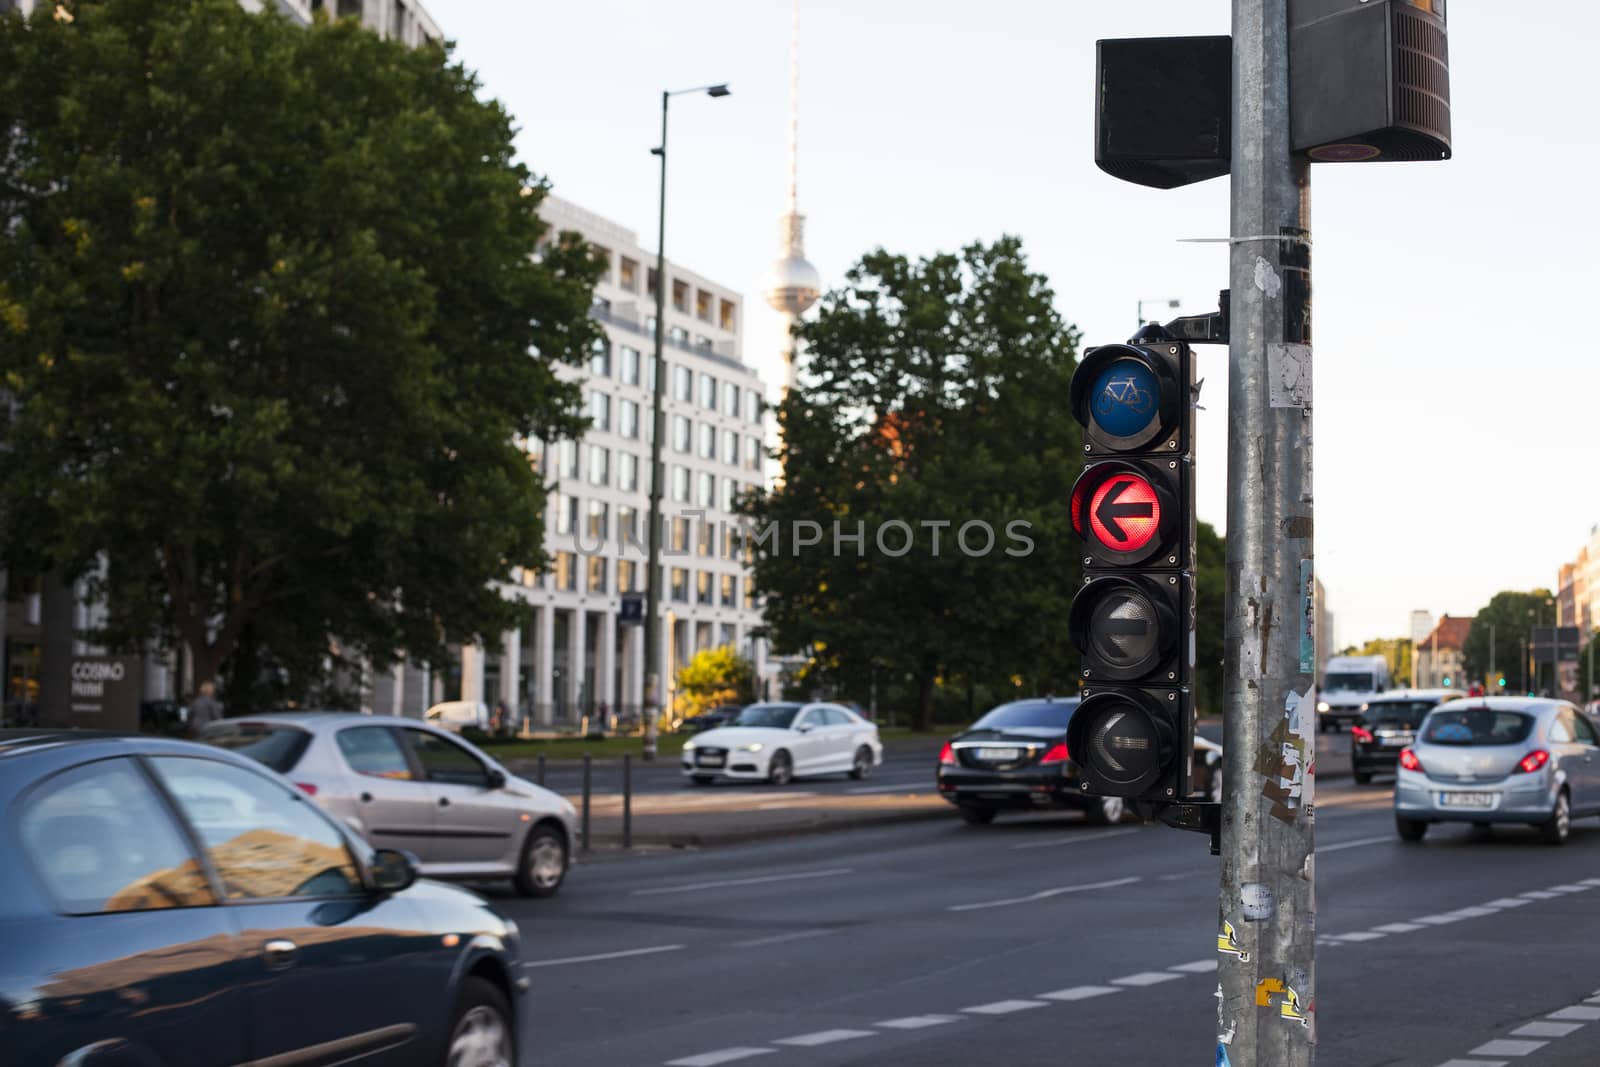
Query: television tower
point(792, 283)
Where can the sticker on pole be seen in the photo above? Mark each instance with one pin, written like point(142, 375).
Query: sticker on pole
point(1125, 513)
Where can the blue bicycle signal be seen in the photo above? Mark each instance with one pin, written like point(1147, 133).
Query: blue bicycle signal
point(1124, 398)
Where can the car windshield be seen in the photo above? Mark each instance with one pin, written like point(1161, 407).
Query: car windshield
point(1477, 726)
point(778, 716)
point(1347, 680)
point(1028, 713)
point(1406, 713)
point(278, 747)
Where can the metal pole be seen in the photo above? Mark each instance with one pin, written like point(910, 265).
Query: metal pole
point(627, 800)
point(540, 779)
point(1267, 921)
point(1588, 690)
point(588, 768)
point(1492, 672)
point(652, 603)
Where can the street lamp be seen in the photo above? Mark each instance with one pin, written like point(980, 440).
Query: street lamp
point(1170, 303)
point(652, 607)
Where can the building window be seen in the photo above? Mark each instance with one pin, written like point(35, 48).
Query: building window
point(703, 302)
point(565, 510)
point(627, 576)
point(600, 359)
point(706, 543)
point(708, 441)
point(631, 362)
point(730, 400)
point(682, 384)
point(599, 511)
point(628, 419)
point(679, 336)
point(730, 494)
point(703, 587)
point(708, 392)
point(681, 434)
point(627, 524)
point(680, 296)
point(730, 542)
point(749, 595)
point(567, 459)
point(730, 590)
point(650, 369)
point(752, 453)
point(705, 489)
point(680, 535)
point(729, 317)
point(730, 448)
point(597, 574)
point(601, 255)
point(628, 472)
point(680, 484)
point(650, 279)
point(702, 341)
point(600, 410)
point(567, 572)
point(628, 274)
point(752, 406)
point(680, 585)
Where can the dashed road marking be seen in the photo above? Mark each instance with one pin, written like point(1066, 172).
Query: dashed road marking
point(1005, 1007)
point(824, 1037)
point(1081, 992)
point(1075, 839)
point(722, 1055)
point(778, 939)
point(1507, 902)
point(1043, 894)
point(1400, 928)
point(1144, 978)
point(1577, 1013)
point(1546, 1029)
point(695, 886)
point(1360, 935)
point(917, 1022)
point(1539, 894)
point(1507, 1047)
point(624, 954)
point(1570, 888)
point(1474, 1063)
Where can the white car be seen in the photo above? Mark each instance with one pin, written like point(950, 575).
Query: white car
point(778, 742)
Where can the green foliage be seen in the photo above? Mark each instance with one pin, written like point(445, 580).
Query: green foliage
point(1396, 652)
point(1511, 615)
point(1211, 582)
point(934, 392)
point(715, 676)
point(267, 304)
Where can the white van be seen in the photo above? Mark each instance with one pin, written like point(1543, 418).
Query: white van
point(453, 715)
point(1348, 682)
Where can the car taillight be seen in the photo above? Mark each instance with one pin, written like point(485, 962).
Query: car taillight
point(1361, 733)
point(307, 788)
point(1057, 753)
point(1533, 761)
point(1409, 760)
point(947, 755)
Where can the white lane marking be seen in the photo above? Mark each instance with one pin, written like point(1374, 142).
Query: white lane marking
point(722, 1055)
point(1577, 1013)
point(1539, 894)
point(1005, 1007)
point(1399, 928)
point(604, 956)
point(1594, 999)
point(1081, 992)
point(1570, 888)
point(1358, 843)
point(1438, 920)
point(1144, 978)
point(1360, 935)
point(778, 939)
point(1507, 1047)
point(1043, 894)
point(823, 1037)
point(1197, 967)
point(1079, 838)
point(1474, 1063)
point(917, 1022)
point(1543, 1029)
point(1474, 912)
point(1592, 881)
point(866, 790)
point(1507, 902)
point(693, 886)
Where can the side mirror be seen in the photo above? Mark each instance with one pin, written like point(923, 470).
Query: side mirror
point(497, 778)
point(393, 871)
point(804, 728)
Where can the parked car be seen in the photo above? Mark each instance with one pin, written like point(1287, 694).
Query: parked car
point(1500, 760)
point(1015, 758)
point(458, 715)
point(712, 718)
point(403, 784)
point(779, 742)
point(164, 902)
point(1386, 725)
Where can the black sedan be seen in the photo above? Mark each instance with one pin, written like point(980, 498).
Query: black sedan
point(1015, 758)
point(166, 903)
point(1387, 725)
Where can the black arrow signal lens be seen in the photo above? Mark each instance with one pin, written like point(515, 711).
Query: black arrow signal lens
point(1122, 746)
point(1126, 628)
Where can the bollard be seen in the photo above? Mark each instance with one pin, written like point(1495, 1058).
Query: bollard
point(588, 762)
point(627, 801)
point(540, 778)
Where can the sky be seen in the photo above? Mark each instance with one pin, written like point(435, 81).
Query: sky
point(1456, 380)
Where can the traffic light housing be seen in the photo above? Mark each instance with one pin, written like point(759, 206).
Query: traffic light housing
point(1132, 620)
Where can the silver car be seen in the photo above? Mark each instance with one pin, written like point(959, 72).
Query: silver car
point(403, 784)
point(1499, 760)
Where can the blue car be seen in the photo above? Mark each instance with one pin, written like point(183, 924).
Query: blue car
point(167, 903)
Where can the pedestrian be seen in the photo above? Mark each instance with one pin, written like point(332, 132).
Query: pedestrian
point(497, 721)
point(204, 709)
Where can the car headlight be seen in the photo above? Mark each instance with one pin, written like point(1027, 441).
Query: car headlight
point(1322, 706)
point(1363, 707)
point(757, 747)
point(688, 746)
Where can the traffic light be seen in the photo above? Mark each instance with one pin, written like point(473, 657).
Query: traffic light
point(1500, 681)
point(1132, 620)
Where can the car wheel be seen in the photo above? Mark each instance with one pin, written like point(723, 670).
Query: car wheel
point(975, 815)
point(861, 766)
point(1410, 829)
point(780, 771)
point(1362, 777)
point(1108, 812)
point(543, 865)
point(481, 1034)
point(1555, 829)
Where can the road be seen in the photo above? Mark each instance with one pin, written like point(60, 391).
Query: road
point(938, 943)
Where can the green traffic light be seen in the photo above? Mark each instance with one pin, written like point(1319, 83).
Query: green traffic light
point(1501, 683)
point(1447, 683)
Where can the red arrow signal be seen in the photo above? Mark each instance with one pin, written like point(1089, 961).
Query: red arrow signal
point(1125, 513)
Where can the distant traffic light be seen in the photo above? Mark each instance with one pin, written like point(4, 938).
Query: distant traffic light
point(1447, 681)
point(1500, 681)
point(1133, 619)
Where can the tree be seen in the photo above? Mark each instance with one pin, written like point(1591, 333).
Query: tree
point(1510, 616)
point(715, 676)
point(930, 423)
point(1211, 582)
point(272, 317)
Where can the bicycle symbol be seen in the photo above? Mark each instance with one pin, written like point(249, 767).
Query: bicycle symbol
point(1124, 392)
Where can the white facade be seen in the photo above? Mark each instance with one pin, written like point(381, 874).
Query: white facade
point(573, 657)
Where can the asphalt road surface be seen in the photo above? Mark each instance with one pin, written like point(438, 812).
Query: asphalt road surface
point(1040, 939)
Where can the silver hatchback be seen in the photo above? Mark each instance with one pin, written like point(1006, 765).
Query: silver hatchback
point(1499, 760)
point(406, 785)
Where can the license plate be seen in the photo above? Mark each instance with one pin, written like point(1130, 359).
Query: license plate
point(708, 759)
point(999, 755)
point(1467, 800)
point(1395, 742)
